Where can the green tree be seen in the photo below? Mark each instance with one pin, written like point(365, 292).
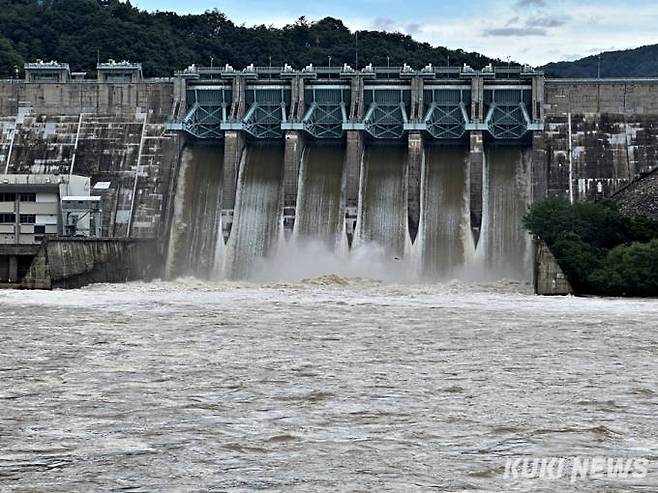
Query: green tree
point(10, 61)
point(600, 250)
point(75, 31)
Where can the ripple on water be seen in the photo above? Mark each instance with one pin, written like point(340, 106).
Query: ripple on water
point(327, 384)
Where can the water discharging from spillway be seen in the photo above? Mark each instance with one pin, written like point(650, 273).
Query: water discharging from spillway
point(504, 246)
point(444, 239)
point(258, 206)
point(382, 249)
point(383, 220)
point(319, 212)
point(195, 238)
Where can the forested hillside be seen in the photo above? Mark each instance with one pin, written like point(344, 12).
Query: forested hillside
point(640, 62)
point(80, 31)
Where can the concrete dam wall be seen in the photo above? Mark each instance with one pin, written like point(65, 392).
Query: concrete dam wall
point(267, 241)
point(240, 191)
point(113, 133)
point(154, 97)
point(614, 134)
point(72, 263)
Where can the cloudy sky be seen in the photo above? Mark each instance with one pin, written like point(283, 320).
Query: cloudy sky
point(530, 31)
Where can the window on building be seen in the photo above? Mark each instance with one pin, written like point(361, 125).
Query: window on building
point(39, 229)
point(7, 218)
point(28, 197)
point(28, 219)
point(7, 197)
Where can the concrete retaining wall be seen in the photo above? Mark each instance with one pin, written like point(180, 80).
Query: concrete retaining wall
point(134, 155)
point(72, 263)
point(617, 96)
point(549, 279)
point(72, 98)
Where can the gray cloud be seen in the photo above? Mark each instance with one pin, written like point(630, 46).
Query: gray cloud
point(515, 31)
point(535, 25)
point(383, 24)
point(413, 27)
point(546, 21)
point(390, 25)
point(530, 3)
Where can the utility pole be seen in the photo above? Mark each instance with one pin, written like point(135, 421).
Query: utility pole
point(598, 76)
point(356, 58)
point(570, 159)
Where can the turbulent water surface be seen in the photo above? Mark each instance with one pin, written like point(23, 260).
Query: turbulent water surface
point(331, 384)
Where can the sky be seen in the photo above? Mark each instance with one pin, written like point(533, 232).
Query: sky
point(528, 31)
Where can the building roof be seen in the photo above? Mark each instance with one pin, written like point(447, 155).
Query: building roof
point(81, 198)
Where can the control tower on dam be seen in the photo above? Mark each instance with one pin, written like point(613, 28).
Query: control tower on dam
point(360, 109)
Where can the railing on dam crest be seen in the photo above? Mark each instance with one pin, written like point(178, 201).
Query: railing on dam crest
point(325, 102)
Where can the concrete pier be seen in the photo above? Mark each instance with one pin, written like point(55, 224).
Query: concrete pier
point(234, 146)
point(414, 166)
point(13, 268)
point(475, 182)
point(539, 167)
point(352, 178)
point(14, 262)
point(549, 279)
point(294, 148)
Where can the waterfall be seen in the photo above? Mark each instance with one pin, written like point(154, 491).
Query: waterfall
point(319, 215)
point(256, 223)
point(195, 235)
point(444, 249)
point(445, 223)
point(504, 244)
point(383, 215)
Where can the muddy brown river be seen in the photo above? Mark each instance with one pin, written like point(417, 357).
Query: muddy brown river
point(331, 384)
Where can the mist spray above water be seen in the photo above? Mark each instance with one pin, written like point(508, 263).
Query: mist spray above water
point(382, 249)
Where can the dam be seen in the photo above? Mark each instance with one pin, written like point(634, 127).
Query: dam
point(275, 172)
point(413, 173)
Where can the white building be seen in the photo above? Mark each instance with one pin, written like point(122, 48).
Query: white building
point(31, 210)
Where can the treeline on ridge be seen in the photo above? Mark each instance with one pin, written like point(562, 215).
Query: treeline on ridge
point(82, 31)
